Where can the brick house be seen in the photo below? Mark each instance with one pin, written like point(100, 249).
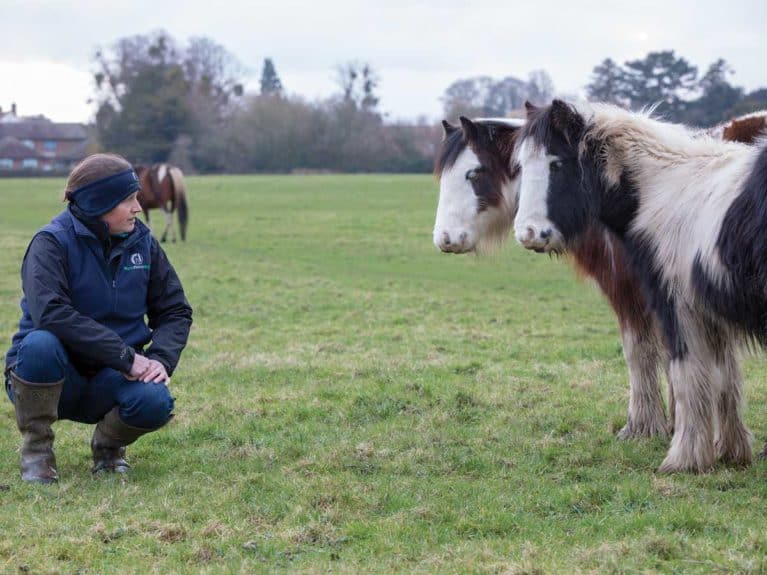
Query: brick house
point(16, 156)
point(39, 145)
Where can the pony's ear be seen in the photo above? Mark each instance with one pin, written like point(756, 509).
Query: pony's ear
point(561, 112)
point(530, 108)
point(447, 129)
point(565, 119)
point(470, 129)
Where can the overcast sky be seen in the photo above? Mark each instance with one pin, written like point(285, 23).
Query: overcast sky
point(418, 48)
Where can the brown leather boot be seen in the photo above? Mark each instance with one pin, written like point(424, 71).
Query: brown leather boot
point(109, 440)
point(37, 407)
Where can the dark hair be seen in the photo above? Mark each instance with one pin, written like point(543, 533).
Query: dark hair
point(94, 168)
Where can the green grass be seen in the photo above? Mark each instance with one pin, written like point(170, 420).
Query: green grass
point(353, 401)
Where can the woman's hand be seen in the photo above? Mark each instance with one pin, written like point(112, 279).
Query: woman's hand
point(148, 370)
point(140, 365)
point(155, 373)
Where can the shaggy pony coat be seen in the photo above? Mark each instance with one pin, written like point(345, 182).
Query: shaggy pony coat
point(689, 211)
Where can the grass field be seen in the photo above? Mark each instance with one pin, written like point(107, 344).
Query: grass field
point(352, 401)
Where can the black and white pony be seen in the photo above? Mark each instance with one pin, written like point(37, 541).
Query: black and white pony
point(479, 187)
point(690, 212)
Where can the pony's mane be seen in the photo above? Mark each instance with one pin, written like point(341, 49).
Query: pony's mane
point(455, 142)
point(627, 131)
point(626, 139)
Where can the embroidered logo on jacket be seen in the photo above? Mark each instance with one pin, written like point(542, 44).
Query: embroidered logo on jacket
point(138, 263)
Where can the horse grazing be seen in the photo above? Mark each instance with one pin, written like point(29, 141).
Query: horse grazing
point(162, 186)
point(479, 186)
point(689, 211)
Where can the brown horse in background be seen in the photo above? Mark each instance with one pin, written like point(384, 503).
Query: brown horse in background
point(747, 128)
point(162, 186)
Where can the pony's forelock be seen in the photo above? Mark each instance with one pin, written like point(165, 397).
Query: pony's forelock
point(543, 126)
point(451, 147)
point(455, 142)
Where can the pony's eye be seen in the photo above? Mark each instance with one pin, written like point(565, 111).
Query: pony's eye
point(472, 175)
point(555, 165)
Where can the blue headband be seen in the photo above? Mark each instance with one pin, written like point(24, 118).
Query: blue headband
point(101, 196)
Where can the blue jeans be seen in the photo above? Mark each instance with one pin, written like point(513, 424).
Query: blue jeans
point(42, 359)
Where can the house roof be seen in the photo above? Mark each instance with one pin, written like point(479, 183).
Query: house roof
point(13, 149)
point(42, 129)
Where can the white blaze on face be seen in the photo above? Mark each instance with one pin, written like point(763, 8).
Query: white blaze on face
point(455, 226)
point(532, 226)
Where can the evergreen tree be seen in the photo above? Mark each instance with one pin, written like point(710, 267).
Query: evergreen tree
point(270, 81)
point(751, 102)
point(662, 78)
point(717, 98)
point(608, 83)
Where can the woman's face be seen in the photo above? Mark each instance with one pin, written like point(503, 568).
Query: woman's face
point(122, 218)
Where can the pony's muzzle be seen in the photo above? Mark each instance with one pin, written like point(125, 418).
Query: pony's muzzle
point(536, 238)
point(456, 244)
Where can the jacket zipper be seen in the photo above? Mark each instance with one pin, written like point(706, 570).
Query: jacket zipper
point(114, 270)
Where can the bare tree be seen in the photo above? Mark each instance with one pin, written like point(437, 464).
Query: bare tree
point(540, 87)
point(358, 82)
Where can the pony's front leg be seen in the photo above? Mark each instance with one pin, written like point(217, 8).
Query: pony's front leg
point(671, 398)
point(644, 354)
point(692, 447)
point(733, 446)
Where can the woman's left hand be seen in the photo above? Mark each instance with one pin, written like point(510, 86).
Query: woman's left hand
point(155, 373)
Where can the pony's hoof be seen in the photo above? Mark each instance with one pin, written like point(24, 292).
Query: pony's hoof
point(634, 431)
point(737, 455)
point(674, 466)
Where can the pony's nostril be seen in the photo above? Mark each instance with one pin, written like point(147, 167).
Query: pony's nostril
point(462, 237)
point(530, 233)
point(446, 238)
point(546, 234)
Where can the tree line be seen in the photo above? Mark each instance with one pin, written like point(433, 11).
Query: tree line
point(672, 83)
point(160, 101)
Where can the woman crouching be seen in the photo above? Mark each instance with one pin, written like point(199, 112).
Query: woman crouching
point(90, 278)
